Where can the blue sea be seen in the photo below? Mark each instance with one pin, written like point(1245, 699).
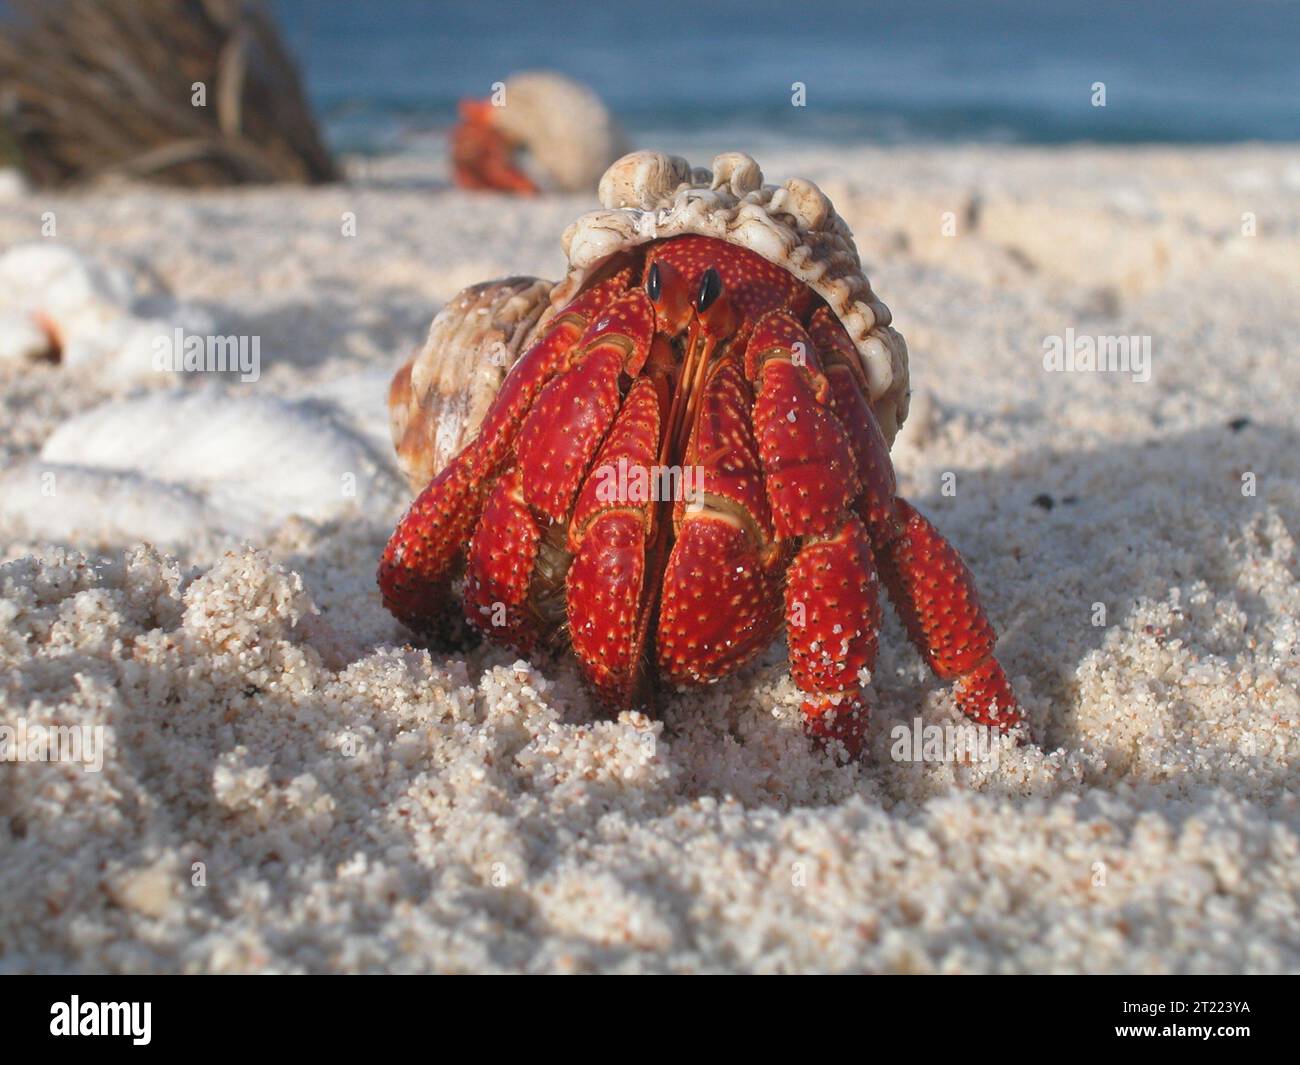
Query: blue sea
point(385, 75)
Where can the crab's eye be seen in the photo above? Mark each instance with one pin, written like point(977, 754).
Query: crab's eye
point(710, 290)
point(653, 282)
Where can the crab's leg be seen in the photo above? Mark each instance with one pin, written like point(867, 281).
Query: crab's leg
point(537, 367)
point(721, 601)
point(416, 567)
point(563, 429)
point(612, 536)
point(842, 367)
point(499, 566)
point(934, 594)
point(832, 610)
point(554, 448)
point(508, 578)
point(482, 157)
point(929, 584)
point(832, 621)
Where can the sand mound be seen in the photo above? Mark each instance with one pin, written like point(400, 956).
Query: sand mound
point(259, 810)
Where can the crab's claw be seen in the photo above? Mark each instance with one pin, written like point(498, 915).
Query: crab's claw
point(483, 157)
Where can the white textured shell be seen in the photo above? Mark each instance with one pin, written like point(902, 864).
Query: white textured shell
point(649, 196)
point(568, 130)
point(438, 399)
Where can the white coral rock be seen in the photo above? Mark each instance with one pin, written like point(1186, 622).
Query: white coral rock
point(171, 468)
point(58, 304)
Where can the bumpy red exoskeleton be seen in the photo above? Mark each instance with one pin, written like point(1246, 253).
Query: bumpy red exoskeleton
point(482, 157)
point(701, 356)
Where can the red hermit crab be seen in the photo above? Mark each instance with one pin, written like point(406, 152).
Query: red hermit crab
point(539, 131)
point(723, 329)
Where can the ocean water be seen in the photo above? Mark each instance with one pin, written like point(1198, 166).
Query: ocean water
point(386, 74)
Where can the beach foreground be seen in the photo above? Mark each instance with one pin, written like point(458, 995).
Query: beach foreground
point(287, 784)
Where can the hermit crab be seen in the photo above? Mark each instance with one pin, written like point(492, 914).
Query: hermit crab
point(717, 336)
point(539, 131)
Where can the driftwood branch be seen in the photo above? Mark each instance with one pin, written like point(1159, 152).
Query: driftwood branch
point(92, 88)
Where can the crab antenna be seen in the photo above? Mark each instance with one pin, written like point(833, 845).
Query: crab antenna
point(718, 323)
point(681, 391)
point(707, 348)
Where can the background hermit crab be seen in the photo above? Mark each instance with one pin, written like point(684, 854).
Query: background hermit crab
point(539, 132)
point(708, 322)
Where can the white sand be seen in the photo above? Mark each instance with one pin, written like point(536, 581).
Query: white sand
point(359, 805)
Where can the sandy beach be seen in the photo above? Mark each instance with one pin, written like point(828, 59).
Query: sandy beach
point(285, 782)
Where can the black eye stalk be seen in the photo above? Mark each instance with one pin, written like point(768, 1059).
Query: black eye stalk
point(653, 282)
point(710, 290)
